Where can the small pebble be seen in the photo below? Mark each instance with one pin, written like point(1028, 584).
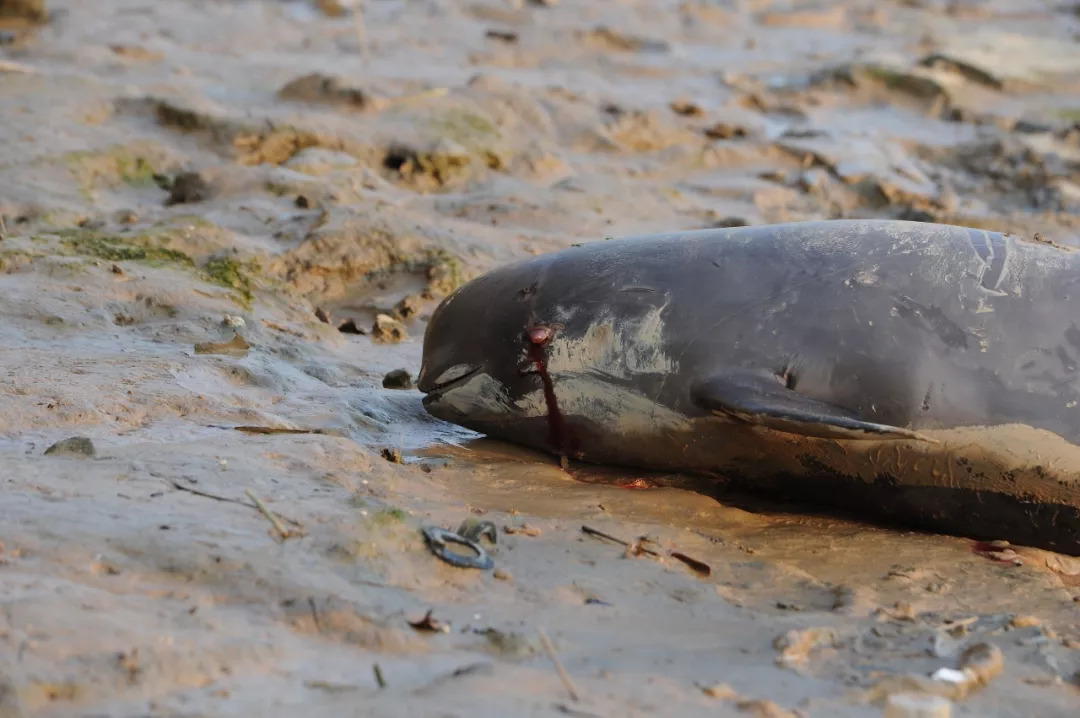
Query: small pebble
point(188, 187)
point(983, 662)
point(1024, 621)
point(502, 575)
point(75, 446)
point(398, 379)
point(233, 321)
point(720, 690)
point(388, 330)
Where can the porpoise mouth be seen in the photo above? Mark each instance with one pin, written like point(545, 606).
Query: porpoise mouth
point(450, 378)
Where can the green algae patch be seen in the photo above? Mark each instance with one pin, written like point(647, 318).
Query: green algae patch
point(134, 165)
point(235, 275)
point(122, 248)
point(389, 516)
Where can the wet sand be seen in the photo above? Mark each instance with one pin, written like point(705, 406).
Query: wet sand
point(177, 174)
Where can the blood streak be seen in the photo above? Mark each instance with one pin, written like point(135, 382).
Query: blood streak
point(538, 337)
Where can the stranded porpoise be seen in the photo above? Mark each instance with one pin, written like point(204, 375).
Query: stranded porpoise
point(921, 372)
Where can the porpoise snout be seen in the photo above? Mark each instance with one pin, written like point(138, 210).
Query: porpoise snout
point(431, 381)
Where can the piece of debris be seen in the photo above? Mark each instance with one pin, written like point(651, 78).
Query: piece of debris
point(524, 529)
point(949, 675)
point(600, 534)
point(276, 430)
point(502, 35)
point(349, 327)
point(378, 675)
point(398, 379)
point(724, 131)
point(719, 690)
point(388, 330)
point(430, 624)
point(324, 316)
point(437, 540)
point(283, 533)
point(686, 108)
point(699, 567)
point(795, 646)
point(75, 446)
point(502, 575)
point(982, 663)
point(917, 705)
point(611, 40)
point(117, 269)
point(476, 529)
point(234, 322)
point(977, 666)
point(392, 455)
point(236, 347)
point(639, 547)
point(563, 675)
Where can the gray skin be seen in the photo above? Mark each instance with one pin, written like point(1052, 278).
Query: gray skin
point(920, 372)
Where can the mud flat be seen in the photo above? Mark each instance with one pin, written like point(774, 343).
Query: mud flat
point(224, 224)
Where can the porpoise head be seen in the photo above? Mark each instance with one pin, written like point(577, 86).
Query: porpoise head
point(479, 348)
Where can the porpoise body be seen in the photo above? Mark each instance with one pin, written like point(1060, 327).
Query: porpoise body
point(922, 372)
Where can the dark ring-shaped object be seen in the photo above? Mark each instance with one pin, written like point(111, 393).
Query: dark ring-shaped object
point(437, 539)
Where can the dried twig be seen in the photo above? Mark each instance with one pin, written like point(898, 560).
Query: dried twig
point(314, 614)
point(283, 532)
point(636, 548)
point(609, 537)
point(563, 675)
point(196, 492)
point(275, 430)
point(180, 487)
point(699, 567)
point(378, 675)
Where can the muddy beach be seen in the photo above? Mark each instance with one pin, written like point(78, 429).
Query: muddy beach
point(223, 226)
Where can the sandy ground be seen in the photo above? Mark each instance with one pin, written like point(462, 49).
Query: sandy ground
point(176, 173)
